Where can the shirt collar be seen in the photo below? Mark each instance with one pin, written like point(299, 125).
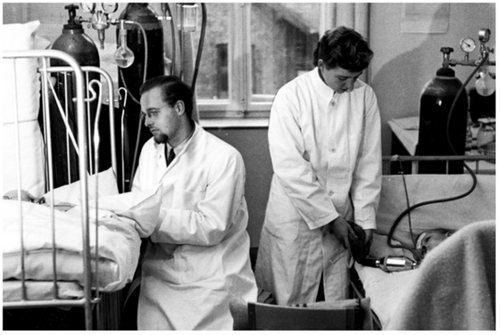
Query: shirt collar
point(178, 148)
point(323, 89)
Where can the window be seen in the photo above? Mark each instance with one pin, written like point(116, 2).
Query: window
point(250, 51)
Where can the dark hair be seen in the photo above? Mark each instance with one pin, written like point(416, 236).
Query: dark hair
point(172, 89)
point(343, 47)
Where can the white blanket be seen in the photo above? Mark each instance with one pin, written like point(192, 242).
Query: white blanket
point(122, 220)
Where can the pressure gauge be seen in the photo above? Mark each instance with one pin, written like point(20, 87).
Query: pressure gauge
point(88, 7)
point(109, 7)
point(467, 44)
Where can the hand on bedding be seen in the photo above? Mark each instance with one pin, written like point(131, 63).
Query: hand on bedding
point(25, 196)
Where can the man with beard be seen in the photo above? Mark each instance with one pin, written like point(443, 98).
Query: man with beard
point(197, 260)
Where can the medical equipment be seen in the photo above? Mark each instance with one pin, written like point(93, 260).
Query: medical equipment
point(75, 42)
point(437, 90)
point(435, 104)
point(387, 289)
point(80, 46)
point(140, 55)
point(486, 136)
point(392, 263)
point(444, 104)
point(54, 258)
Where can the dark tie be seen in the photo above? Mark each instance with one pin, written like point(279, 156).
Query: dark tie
point(170, 156)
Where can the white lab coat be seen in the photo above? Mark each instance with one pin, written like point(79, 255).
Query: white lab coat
point(198, 258)
point(326, 151)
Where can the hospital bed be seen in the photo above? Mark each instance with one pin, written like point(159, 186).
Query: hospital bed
point(75, 246)
point(446, 280)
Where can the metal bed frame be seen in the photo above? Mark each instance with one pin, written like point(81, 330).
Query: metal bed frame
point(411, 164)
point(81, 144)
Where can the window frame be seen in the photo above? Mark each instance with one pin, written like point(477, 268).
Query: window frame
point(242, 104)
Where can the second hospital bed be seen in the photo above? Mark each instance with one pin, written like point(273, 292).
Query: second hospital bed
point(454, 287)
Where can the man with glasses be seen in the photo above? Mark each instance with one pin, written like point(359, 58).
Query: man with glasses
point(197, 259)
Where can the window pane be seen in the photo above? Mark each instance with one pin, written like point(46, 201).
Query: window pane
point(212, 81)
point(283, 39)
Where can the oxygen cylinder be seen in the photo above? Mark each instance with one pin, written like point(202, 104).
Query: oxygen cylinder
point(435, 105)
point(76, 43)
point(133, 77)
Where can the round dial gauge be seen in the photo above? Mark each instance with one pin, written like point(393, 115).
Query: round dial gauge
point(467, 44)
point(88, 7)
point(109, 7)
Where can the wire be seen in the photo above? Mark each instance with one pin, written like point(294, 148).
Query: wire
point(407, 204)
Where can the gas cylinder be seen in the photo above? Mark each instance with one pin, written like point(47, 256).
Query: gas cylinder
point(80, 46)
point(133, 77)
point(435, 106)
point(75, 42)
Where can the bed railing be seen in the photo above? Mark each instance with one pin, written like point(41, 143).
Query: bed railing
point(479, 164)
point(81, 93)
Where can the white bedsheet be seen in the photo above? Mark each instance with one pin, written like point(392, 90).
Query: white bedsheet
point(122, 218)
point(118, 246)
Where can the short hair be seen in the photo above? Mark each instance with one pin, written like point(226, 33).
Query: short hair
point(343, 47)
point(172, 89)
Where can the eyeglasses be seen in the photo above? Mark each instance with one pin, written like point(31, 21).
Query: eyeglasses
point(152, 112)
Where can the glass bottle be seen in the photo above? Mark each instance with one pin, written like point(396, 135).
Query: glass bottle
point(486, 136)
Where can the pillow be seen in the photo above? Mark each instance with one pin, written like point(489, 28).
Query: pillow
point(20, 87)
point(71, 193)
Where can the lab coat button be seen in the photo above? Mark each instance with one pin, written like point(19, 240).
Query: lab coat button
point(333, 149)
point(331, 192)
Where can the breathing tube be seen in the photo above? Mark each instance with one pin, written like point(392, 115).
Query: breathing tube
point(136, 100)
point(415, 251)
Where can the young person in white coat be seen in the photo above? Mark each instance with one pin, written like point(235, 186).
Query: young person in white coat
point(325, 145)
point(197, 259)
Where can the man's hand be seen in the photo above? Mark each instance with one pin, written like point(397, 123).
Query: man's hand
point(341, 229)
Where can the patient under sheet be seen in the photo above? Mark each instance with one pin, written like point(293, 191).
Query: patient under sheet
point(121, 220)
point(390, 292)
point(454, 288)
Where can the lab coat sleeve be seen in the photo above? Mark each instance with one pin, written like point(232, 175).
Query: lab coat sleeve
point(138, 181)
point(215, 214)
point(294, 172)
point(367, 177)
